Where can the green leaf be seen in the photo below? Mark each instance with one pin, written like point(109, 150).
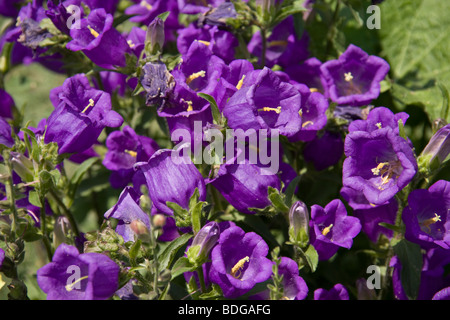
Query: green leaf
point(163, 16)
point(135, 248)
point(277, 199)
point(167, 255)
point(196, 217)
point(33, 198)
point(181, 266)
point(312, 257)
point(410, 256)
point(217, 115)
point(290, 190)
point(77, 177)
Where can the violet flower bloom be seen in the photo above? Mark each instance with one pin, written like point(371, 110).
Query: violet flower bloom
point(218, 16)
point(75, 276)
point(125, 148)
point(5, 134)
point(145, 11)
point(99, 40)
point(127, 210)
point(239, 262)
point(268, 103)
point(81, 113)
point(370, 215)
point(197, 6)
point(173, 178)
point(314, 150)
point(427, 216)
point(353, 79)
point(221, 42)
point(379, 117)
point(60, 15)
point(313, 109)
point(338, 292)
point(283, 46)
point(9, 8)
point(307, 73)
point(136, 40)
point(331, 228)
point(379, 164)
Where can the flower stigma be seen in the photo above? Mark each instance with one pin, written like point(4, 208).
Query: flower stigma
point(93, 32)
point(194, 76)
point(70, 287)
point(327, 230)
point(277, 109)
point(91, 104)
point(236, 271)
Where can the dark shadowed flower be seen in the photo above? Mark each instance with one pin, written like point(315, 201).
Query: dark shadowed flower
point(173, 178)
point(5, 134)
point(125, 148)
point(99, 40)
point(10, 8)
point(81, 113)
point(307, 73)
point(268, 103)
point(353, 79)
point(6, 104)
point(283, 46)
point(427, 216)
point(75, 276)
point(332, 228)
point(379, 163)
point(338, 292)
point(314, 150)
point(239, 262)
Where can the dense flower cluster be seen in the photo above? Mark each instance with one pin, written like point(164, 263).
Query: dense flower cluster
point(151, 89)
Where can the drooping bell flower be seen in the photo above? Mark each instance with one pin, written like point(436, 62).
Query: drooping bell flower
point(268, 103)
point(331, 228)
point(338, 292)
point(222, 43)
point(127, 210)
point(125, 149)
point(75, 276)
point(99, 40)
point(239, 262)
point(353, 79)
point(330, 141)
point(313, 110)
point(171, 177)
point(427, 216)
point(81, 113)
point(283, 46)
point(379, 164)
point(157, 82)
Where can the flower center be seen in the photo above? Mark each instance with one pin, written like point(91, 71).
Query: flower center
point(313, 90)
point(189, 105)
point(240, 83)
point(348, 76)
point(277, 109)
point(93, 32)
point(192, 77)
point(70, 287)
point(386, 171)
point(236, 271)
point(131, 153)
point(146, 5)
point(327, 230)
point(307, 123)
point(275, 43)
point(426, 223)
point(91, 104)
point(131, 44)
point(206, 43)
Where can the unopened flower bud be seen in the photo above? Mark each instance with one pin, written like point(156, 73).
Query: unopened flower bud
point(204, 241)
point(155, 38)
point(299, 224)
point(22, 166)
point(437, 149)
point(138, 227)
point(159, 220)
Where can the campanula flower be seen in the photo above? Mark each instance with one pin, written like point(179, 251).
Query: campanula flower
point(5, 134)
point(338, 292)
point(75, 276)
point(330, 141)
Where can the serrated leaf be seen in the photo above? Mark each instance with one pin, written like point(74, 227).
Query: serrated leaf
point(167, 255)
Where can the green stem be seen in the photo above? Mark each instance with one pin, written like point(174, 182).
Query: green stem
point(201, 279)
point(10, 193)
point(264, 47)
point(45, 239)
point(66, 212)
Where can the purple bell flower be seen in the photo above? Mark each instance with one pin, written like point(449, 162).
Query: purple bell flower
point(331, 228)
point(239, 262)
point(314, 150)
point(9, 8)
point(338, 292)
point(294, 286)
point(127, 210)
point(99, 40)
point(197, 6)
point(75, 276)
point(427, 216)
point(268, 103)
point(379, 164)
point(379, 117)
point(125, 149)
point(353, 79)
point(145, 11)
point(307, 73)
point(313, 109)
point(5, 134)
point(81, 113)
point(173, 178)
